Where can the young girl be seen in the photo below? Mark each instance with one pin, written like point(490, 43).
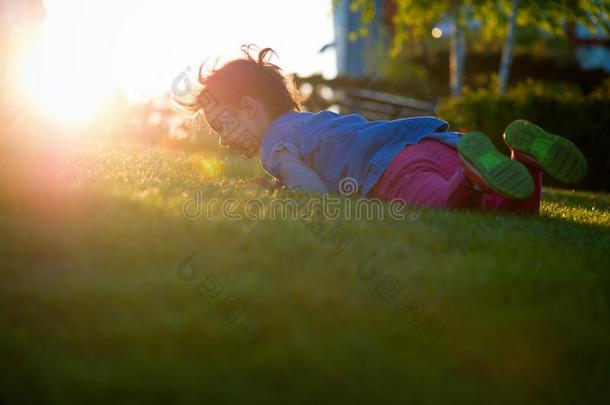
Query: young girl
point(256, 110)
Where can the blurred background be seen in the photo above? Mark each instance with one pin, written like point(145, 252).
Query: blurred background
point(83, 70)
point(103, 276)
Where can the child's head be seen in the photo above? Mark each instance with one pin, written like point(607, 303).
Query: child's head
point(240, 99)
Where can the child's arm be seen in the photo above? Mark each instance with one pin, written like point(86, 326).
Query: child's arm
point(296, 174)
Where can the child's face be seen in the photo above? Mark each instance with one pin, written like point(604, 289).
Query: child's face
point(240, 128)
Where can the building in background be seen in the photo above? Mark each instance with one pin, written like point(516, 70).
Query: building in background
point(352, 49)
point(592, 49)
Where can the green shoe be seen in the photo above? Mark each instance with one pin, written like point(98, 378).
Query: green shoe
point(492, 171)
point(554, 154)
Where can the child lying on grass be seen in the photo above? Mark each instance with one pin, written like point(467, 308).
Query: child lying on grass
point(256, 110)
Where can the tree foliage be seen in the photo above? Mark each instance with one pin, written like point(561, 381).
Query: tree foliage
point(418, 17)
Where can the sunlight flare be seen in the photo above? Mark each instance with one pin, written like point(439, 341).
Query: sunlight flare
point(88, 51)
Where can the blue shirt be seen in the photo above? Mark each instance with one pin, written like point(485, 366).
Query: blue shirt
point(339, 146)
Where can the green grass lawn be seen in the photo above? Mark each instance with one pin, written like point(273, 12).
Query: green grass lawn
point(101, 299)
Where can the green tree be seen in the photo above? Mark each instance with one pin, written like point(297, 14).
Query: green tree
point(548, 15)
point(418, 16)
point(499, 19)
point(507, 49)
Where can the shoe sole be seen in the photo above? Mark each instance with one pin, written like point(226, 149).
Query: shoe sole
point(557, 156)
point(503, 175)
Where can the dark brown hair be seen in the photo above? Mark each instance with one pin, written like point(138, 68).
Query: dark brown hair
point(252, 76)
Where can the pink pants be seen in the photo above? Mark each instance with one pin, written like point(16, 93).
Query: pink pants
point(428, 174)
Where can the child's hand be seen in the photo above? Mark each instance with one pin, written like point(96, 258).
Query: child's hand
point(266, 182)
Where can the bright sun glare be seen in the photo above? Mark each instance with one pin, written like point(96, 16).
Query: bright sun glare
point(88, 50)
